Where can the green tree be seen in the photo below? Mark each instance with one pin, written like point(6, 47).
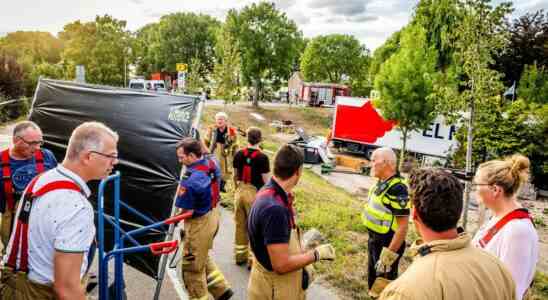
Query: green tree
point(405, 84)
point(32, 46)
point(227, 68)
point(479, 37)
point(383, 53)
point(440, 18)
point(102, 47)
point(195, 82)
point(11, 77)
point(268, 42)
point(528, 44)
point(521, 127)
point(177, 38)
point(533, 85)
point(331, 57)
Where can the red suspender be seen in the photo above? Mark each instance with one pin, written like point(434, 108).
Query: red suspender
point(6, 180)
point(520, 213)
point(39, 161)
point(21, 237)
point(6, 175)
point(215, 188)
point(271, 192)
point(246, 172)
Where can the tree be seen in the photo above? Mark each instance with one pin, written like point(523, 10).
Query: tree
point(479, 37)
point(30, 49)
point(227, 68)
point(528, 44)
point(405, 84)
point(383, 53)
point(195, 82)
point(11, 77)
point(177, 38)
point(440, 18)
point(101, 47)
point(331, 57)
point(268, 43)
point(533, 85)
point(521, 127)
point(32, 46)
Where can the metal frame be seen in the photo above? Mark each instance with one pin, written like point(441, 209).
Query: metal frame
point(120, 236)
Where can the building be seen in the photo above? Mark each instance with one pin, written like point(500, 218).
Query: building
point(314, 93)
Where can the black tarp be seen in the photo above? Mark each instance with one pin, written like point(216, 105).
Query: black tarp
point(149, 126)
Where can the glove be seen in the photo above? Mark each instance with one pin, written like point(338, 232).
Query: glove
point(324, 252)
point(387, 258)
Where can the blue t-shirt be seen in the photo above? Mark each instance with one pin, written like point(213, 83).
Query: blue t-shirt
point(269, 223)
point(22, 172)
point(195, 190)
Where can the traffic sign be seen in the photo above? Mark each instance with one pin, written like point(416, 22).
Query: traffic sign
point(181, 67)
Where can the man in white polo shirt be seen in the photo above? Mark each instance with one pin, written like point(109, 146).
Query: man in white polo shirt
point(46, 256)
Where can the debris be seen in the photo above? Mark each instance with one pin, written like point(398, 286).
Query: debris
point(312, 238)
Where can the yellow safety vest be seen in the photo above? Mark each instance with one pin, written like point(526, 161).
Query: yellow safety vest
point(377, 215)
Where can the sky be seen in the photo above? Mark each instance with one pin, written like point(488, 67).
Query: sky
point(371, 21)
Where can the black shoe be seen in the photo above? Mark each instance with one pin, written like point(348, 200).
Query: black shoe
point(241, 263)
point(226, 295)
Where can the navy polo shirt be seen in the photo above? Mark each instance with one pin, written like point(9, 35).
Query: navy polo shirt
point(268, 223)
point(22, 172)
point(195, 190)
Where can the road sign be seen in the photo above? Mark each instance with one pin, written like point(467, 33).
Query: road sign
point(181, 67)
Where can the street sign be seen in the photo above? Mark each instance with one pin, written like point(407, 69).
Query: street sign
point(181, 67)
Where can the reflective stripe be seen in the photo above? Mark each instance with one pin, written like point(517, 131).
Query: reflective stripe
point(376, 216)
point(215, 278)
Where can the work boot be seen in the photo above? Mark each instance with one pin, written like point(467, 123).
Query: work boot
point(226, 295)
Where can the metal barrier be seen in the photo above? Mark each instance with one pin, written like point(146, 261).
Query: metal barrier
point(120, 236)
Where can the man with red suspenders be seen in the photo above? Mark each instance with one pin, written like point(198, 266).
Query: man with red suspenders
point(19, 164)
point(46, 257)
point(200, 274)
point(251, 172)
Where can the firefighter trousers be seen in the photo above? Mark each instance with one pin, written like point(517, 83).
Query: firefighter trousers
point(269, 285)
point(200, 274)
point(5, 229)
point(243, 199)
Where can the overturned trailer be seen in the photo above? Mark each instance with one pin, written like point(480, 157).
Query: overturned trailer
point(149, 125)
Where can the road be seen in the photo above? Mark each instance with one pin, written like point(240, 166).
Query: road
point(139, 286)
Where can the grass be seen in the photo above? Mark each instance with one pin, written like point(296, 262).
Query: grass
point(333, 211)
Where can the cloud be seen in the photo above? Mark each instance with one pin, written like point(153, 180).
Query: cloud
point(138, 2)
point(284, 4)
point(362, 18)
point(299, 17)
point(151, 13)
point(338, 7)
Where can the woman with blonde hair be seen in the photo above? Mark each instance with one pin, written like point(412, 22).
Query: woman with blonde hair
point(510, 234)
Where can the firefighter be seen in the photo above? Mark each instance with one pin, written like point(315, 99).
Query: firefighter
point(220, 139)
point(386, 215)
point(279, 259)
point(20, 163)
point(251, 171)
point(200, 274)
point(446, 264)
point(47, 255)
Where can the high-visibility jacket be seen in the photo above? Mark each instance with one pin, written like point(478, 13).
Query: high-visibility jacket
point(378, 213)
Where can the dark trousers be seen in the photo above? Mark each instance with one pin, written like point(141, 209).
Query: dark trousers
point(374, 248)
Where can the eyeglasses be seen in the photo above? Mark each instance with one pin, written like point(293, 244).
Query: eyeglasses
point(32, 143)
point(475, 186)
point(111, 156)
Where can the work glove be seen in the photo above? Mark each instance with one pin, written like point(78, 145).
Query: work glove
point(387, 258)
point(324, 252)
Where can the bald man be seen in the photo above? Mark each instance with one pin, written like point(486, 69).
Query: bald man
point(386, 215)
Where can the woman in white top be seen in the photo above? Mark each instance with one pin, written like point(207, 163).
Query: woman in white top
point(509, 234)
